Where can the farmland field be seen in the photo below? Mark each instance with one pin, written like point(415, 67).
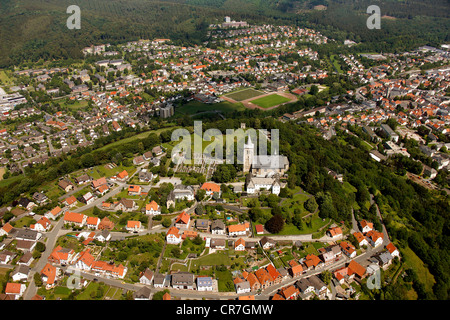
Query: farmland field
point(244, 94)
point(270, 101)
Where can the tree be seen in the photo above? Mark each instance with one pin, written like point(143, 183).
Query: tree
point(40, 247)
point(314, 90)
point(298, 221)
point(166, 222)
point(38, 280)
point(325, 276)
point(311, 204)
point(275, 224)
point(200, 194)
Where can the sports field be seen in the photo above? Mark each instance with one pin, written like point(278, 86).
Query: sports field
point(244, 94)
point(270, 101)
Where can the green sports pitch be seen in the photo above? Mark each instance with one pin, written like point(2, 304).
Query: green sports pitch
point(270, 101)
point(244, 94)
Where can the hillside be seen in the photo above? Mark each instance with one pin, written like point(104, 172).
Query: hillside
point(35, 29)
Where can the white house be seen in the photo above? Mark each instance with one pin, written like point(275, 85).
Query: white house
point(173, 236)
point(242, 287)
point(21, 273)
point(256, 184)
point(146, 277)
point(152, 208)
point(204, 284)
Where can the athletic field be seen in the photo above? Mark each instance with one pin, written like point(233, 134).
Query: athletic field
point(270, 101)
point(244, 94)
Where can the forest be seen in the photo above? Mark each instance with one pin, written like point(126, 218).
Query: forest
point(31, 30)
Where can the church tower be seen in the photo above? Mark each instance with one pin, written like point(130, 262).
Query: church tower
point(248, 155)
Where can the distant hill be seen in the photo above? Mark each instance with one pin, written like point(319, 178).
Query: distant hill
point(36, 29)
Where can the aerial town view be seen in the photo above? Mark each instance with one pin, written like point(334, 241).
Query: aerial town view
point(224, 150)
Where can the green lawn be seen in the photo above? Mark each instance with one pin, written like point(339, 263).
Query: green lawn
point(135, 138)
point(412, 261)
point(244, 94)
point(270, 101)
point(77, 105)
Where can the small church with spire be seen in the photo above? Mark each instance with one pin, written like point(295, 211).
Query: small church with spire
point(263, 171)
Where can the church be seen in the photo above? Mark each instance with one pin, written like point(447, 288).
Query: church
point(263, 166)
point(263, 171)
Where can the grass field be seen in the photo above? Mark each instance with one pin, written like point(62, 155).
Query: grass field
point(4, 78)
point(413, 261)
point(244, 94)
point(270, 101)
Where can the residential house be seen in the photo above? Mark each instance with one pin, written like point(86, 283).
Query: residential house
point(173, 236)
point(106, 224)
point(27, 235)
point(103, 236)
point(335, 232)
point(122, 176)
point(202, 224)
point(384, 259)
point(42, 225)
point(146, 277)
point(218, 227)
point(159, 280)
point(143, 293)
point(253, 281)
point(66, 185)
point(217, 244)
point(241, 286)
point(92, 222)
point(348, 249)
point(290, 292)
point(20, 273)
point(393, 250)
point(133, 226)
point(267, 243)
point(204, 283)
point(15, 290)
point(211, 188)
point(263, 278)
point(296, 271)
point(239, 245)
point(70, 202)
point(40, 197)
point(182, 220)
point(365, 226)
point(305, 286)
point(362, 241)
point(274, 274)
point(134, 190)
point(84, 260)
point(62, 256)
point(74, 218)
point(138, 160)
point(239, 229)
point(312, 261)
point(152, 208)
point(6, 229)
point(126, 205)
point(54, 213)
point(183, 280)
point(6, 256)
point(375, 238)
point(49, 275)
